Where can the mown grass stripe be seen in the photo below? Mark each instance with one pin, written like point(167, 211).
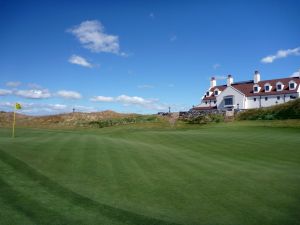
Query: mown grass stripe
point(114, 213)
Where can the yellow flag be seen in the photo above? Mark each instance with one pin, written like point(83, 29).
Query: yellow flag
point(18, 106)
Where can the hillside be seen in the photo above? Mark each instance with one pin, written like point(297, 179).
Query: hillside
point(289, 110)
point(60, 120)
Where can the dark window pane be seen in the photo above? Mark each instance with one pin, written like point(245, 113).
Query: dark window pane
point(228, 101)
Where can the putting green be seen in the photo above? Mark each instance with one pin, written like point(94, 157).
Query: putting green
point(235, 174)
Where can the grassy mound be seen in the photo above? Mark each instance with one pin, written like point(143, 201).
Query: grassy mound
point(289, 110)
point(244, 172)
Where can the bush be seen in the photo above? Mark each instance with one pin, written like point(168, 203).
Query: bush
point(123, 121)
point(204, 119)
point(289, 110)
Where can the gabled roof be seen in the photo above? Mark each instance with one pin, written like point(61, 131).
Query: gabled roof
point(212, 96)
point(247, 87)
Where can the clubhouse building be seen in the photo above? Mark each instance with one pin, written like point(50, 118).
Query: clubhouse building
point(250, 94)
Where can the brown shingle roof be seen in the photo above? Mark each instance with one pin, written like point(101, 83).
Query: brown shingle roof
point(212, 96)
point(247, 87)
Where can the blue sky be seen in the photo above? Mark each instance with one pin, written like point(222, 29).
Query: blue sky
point(138, 56)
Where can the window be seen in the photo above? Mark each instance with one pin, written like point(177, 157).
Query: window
point(206, 103)
point(216, 92)
point(207, 93)
point(279, 87)
point(228, 101)
point(266, 98)
point(278, 97)
point(255, 89)
point(254, 99)
point(267, 88)
point(292, 85)
point(215, 102)
point(292, 97)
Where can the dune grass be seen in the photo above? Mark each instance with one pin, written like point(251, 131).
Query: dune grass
point(237, 173)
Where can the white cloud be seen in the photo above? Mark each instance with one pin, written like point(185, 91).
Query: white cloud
point(281, 54)
point(45, 109)
point(34, 93)
point(5, 92)
point(145, 86)
point(78, 60)
point(13, 84)
point(69, 94)
point(216, 66)
point(296, 74)
point(102, 99)
point(126, 100)
point(91, 35)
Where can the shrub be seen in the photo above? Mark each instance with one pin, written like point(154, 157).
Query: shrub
point(289, 110)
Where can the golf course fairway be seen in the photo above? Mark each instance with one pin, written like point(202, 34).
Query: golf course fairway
point(223, 174)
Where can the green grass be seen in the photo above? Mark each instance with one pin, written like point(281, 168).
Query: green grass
point(236, 173)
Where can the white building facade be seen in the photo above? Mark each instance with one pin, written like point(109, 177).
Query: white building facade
point(249, 94)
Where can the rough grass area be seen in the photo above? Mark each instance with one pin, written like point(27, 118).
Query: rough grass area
point(289, 110)
point(245, 173)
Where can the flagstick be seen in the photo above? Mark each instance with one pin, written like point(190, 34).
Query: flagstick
point(14, 122)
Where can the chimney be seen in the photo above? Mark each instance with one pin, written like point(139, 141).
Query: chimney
point(256, 77)
point(229, 80)
point(213, 82)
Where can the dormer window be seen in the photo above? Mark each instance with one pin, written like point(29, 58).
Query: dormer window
point(279, 86)
point(267, 87)
point(207, 93)
point(255, 88)
point(216, 92)
point(292, 85)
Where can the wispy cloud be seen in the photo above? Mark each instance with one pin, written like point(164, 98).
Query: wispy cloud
point(34, 86)
point(13, 84)
point(220, 77)
point(91, 35)
point(216, 66)
point(69, 94)
point(173, 38)
point(151, 15)
point(145, 86)
point(281, 54)
point(5, 92)
point(78, 60)
point(102, 99)
point(45, 109)
point(171, 85)
point(33, 93)
point(296, 74)
point(152, 104)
